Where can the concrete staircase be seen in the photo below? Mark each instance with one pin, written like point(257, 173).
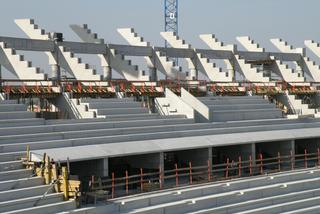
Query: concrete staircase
point(288, 74)
point(250, 73)
point(215, 44)
point(227, 108)
point(18, 65)
point(291, 192)
point(284, 47)
point(295, 104)
point(69, 62)
point(311, 68)
point(117, 61)
point(249, 44)
point(81, 71)
point(209, 69)
point(162, 63)
point(213, 72)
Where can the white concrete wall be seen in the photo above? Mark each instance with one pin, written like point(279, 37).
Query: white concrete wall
point(171, 104)
point(202, 111)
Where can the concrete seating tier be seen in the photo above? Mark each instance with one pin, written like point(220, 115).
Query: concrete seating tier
point(20, 190)
point(234, 108)
point(287, 191)
point(81, 138)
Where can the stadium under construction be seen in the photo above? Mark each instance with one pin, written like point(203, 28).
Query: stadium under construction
point(242, 137)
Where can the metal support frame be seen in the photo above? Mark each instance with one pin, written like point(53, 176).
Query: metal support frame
point(171, 19)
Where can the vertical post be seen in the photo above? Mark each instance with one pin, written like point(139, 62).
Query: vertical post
point(227, 169)
point(65, 183)
point(190, 173)
point(161, 170)
point(318, 156)
point(55, 176)
point(305, 159)
point(279, 162)
point(112, 185)
point(28, 154)
point(47, 170)
point(177, 175)
point(160, 178)
point(127, 182)
point(209, 171)
point(141, 179)
point(239, 167)
point(250, 165)
point(292, 162)
point(261, 164)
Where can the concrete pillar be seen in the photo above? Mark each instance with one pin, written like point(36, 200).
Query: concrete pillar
point(105, 167)
point(253, 153)
point(161, 166)
point(153, 73)
point(210, 156)
point(107, 72)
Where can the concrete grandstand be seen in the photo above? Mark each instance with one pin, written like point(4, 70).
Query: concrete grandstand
point(244, 140)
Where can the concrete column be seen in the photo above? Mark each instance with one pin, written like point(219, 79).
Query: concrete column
point(210, 156)
point(105, 167)
point(107, 72)
point(153, 73)
point(161, 166)
point(253, 153)
point(293, 148)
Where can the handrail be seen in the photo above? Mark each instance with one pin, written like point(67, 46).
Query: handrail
point(72, 106)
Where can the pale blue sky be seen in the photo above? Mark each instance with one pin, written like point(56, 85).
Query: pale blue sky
point(292, 20)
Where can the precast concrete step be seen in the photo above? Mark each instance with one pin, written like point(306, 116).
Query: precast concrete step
point(51, 208)
point(12, 107)
point(4, 123)
point(103, 105)
point(243, 184)
point(234, 115)
point(99, 133)
point(127, 99)
point(27, 192)
point(133, 129)
point(285, 207)
point(16, 115)
point(10, 165)
point(20, 183)
point(93, 120)
point(242, 107)
point(21, 146)
point(90, 126)
point(234, 102)
point(180, 205)
point(8, 102)
point(259, 202)
point(29, 202)
point(126, 111)
point(15, 174)
point(230, 98)
point(12, 156)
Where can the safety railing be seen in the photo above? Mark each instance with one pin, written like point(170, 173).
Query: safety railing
point(189, 175)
